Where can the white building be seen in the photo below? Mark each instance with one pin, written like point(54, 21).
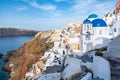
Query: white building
point(116, 26)
point(95, 33)
point(113, 20)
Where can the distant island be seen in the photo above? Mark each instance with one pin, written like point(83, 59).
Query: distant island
point(5, 32)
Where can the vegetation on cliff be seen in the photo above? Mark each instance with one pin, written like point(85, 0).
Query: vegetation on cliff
point(21, 60)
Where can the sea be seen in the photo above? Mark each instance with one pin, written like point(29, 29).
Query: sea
point(7, 44)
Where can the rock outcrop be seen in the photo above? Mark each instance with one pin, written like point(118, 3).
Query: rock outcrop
point(20, 61)
point(1, 55)
point(16, 32)
point(8, 55)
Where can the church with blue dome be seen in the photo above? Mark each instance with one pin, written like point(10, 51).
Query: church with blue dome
point(95, 33)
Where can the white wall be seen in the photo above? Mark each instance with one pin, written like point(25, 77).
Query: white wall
point(101, 42)
point(74, 66)
point(104, 32)
point(117, 26)
point(84, 43)
point(101, 68)
point(118, 17)
point(89, 65)
point(74, 40)
point(56, 44)
point(88, 76)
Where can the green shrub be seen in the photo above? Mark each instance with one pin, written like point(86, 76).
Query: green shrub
point(98, 53)
point(88, 70)
point(29, 65)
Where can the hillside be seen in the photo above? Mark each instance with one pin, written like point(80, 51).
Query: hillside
point(16, 32)
point(21, 60)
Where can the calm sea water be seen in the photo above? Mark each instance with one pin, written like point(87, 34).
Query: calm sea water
point(10, 43)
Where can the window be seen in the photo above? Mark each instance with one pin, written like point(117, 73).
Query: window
point(87, 27)
point(114, 29)
point(88, 37)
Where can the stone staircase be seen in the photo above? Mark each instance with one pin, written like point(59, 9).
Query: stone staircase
point(115, 72)
point(115, 68)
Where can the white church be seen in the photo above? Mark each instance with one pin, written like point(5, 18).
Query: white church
point(95, 33)
point(98, 32)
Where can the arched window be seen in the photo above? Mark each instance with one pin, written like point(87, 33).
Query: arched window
point(88, 37)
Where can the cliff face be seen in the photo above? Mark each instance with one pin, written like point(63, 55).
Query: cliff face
point(1, 55)
point(21, 60)
point(16, 32)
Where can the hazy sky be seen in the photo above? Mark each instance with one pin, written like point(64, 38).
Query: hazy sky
point(49, 14)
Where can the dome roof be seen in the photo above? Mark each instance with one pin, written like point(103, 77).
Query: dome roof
point(93, 16)
point(86, 21)
point(99, 23)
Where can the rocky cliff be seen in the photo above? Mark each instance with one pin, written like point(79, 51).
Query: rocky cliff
point(21, 60)
point(1, 55)
point(16, 32)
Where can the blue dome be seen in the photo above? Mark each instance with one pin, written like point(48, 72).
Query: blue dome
point(99, 23)
point(92, 16)
point(86, 21)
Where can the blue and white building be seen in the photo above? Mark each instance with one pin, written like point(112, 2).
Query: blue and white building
point(95, 33)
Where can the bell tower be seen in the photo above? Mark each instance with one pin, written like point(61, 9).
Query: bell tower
point(86, 36)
